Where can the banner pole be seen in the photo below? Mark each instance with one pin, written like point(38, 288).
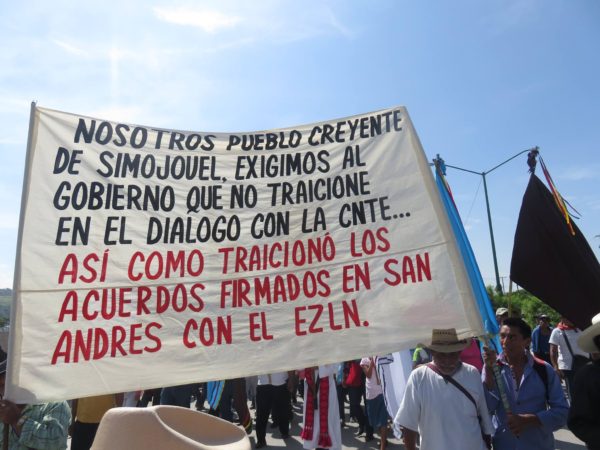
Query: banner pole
point(498, 379)
point(12, 352)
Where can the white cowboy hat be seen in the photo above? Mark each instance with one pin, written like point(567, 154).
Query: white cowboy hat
point(167, 427)
point(586, 339)
point(446, 341)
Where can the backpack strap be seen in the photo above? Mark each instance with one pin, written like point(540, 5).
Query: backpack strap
point(539, 366)
point(564, 335)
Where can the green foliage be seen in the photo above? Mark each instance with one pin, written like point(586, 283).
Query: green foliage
point(5, 304)
point(522, 304)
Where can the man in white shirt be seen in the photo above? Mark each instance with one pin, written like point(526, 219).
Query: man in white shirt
point(445, 415)
point(564, 349)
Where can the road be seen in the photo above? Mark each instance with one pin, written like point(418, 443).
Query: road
point(565, 440)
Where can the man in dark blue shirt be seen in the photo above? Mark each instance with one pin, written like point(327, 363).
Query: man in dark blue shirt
point(540, 337)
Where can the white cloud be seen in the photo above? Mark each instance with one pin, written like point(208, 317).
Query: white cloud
point(337, 25)
point(10, 140)
point(591, 203)
point(511, 14)
point(208, 20)
point(518, 11)
point(14, 105)
point(266, 21)
point(70, 48)
point(472, 223)
point(9, 221)
point(581, 173)
point(126, 114)
point(6, 276)
point(302, 24)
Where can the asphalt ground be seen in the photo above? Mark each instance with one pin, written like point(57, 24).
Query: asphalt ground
point(564, 439)
point(349, 438)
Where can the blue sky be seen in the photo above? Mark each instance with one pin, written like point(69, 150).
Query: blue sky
point(482, 81)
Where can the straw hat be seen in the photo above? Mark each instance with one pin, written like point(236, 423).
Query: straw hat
point(446, 341)
point(586, 339)
point(167, 427)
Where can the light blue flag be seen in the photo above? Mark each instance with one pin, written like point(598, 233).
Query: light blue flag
point(483, 301)
point(214, 391)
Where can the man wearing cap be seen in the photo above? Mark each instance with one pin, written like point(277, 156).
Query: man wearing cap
point(41, 426)
point(537, 405)
point(540, 337)
point(584, 416)
point(501, 314)
point(444, 400)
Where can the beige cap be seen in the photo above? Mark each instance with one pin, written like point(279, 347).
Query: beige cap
point(501, 311)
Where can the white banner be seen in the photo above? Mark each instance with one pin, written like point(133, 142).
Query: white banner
point(150, 257)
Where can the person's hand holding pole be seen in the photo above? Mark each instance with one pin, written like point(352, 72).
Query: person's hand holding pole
point(493, 373)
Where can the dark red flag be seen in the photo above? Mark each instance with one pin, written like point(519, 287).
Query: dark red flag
point(550, 262)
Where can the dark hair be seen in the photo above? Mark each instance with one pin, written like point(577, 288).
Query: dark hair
point(519, 323)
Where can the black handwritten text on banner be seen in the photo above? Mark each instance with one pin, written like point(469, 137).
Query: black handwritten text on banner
point(152, 257)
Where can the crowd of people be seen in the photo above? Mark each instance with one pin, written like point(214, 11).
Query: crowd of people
point(542, 380)
point(458, 396)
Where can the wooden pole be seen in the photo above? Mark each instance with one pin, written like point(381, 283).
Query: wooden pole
point(510, 288)
point(498, 380)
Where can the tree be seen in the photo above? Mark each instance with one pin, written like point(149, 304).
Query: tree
point(522, 304)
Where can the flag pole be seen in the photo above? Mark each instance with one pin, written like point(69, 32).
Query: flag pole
point(487, 203)
point(510, 288)
point(498, 380)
